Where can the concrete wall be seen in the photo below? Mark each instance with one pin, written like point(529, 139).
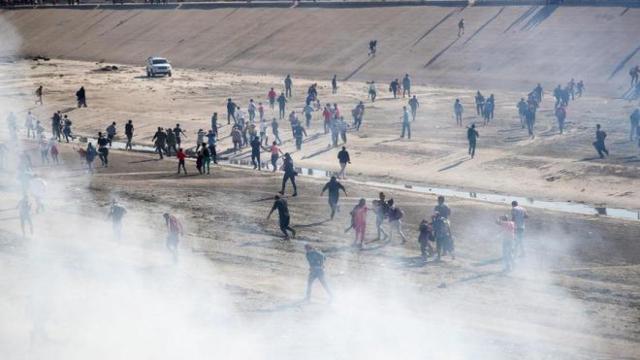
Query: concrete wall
point(503, 46)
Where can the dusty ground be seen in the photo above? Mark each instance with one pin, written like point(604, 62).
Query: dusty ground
point(552, 166)
point(575, 295)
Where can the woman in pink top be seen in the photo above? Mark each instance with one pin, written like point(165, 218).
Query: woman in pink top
point(359, 219)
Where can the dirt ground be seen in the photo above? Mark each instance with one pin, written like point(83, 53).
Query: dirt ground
point(575, 294)
point(551, 166)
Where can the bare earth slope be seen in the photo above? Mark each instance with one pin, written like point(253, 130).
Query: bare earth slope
point(502, 46)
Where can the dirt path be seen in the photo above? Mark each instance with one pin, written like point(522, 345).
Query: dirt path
point(574, 295)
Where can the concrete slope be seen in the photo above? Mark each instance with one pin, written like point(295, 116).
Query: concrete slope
point(505, 47)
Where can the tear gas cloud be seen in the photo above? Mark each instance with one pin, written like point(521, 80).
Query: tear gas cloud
point(72, 292)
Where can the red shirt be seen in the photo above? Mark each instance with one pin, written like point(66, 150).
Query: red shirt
point(272, 94)
point(181, 155)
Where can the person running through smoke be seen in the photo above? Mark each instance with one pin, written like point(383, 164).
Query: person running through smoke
point(442, 208)
point(53, 149)
point(358, 115)
point(634, 73)
point(128, 132)
point(103, 150)
point(442, 233)
point(316, 260)
point(394, 86)
point(373, 44)
point(334, 85)
point(395, 215)
point(530, 119)
point(56, 120)
point(334, 187)
point(479, 103)
point(518, 216)
point(372, 91)
point(538, 93)
point(472, 137)
point(81, 97)
point(281, 205)
point(634, 121)
point(275, 130)
point(599, 143)
point(507, 235)
point(522, 111)
point(425, 238)
point(458, 110)
point(308, 114)
point(24, 209)
point(413, 104)
point(288, 84)
point(289, 174)
point(406, 86)
point(160, 141)
point(66, 129)
point(580, 88)
point(39, 93)
point(381, 209)
point(30, 125)
point(460, 27)
point(181, 156)
point(406, 123)
point(174, 232)
point(116, 214)
point(90, 156)
point(359, 222)
point(561, 116)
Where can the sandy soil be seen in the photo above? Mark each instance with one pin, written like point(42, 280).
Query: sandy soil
point(573, 296)
point(560, 167)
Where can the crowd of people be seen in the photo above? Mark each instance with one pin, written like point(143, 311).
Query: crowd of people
point(250, 130)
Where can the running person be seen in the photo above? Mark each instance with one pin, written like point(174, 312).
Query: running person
point(413, 104)
point(518, 216)
point(174, 231)
point(359, 221)
point(395, 220)
point(289, 174)
point(116, 214)
point(457, 110)
point(334, 187)
point(24, 208)
point(316, 260)
point(281, 205)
